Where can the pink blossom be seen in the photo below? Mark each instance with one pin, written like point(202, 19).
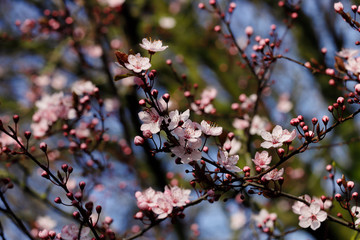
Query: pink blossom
point(188, 131)
point(152, 47)
point(43, 233)
point(82, 87)
point(163, 206)
point(229, 162)
point(311, 216)
point(338, 7)
point(258, 125)
point(234, 146)
point(284, 105)
point(353, 65)
point(151, 120)
point(240, 124)
point(347, 53)
point(262, 159)
point(277, 137)
point(146, 200)
point(296, 207)
point(177, 196)
point(188, 151)
point(274, 174)
point(137, 63)
point(210, 129)
point(50, 109)
point(175, 118)
point(265, 219)
point(71, 232)
point(356, 211)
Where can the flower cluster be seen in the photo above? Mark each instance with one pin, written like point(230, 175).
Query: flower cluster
point(162, 203)
point(311, 214)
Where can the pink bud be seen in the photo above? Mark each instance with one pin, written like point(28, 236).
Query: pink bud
point(246, 169)
point(338, 196)
point(166, 97)
point(325, 119)
point(138, 141)
point(231, 135)
point(350, 185)
point(357, 88)
point(338, 7)
point(339, 181)
point(249, 31)
point(340, 100)
point(355, 195)
point(43, 146)
point(328, 167)
point(147, 134)
point(217, 28)
point(205, 149)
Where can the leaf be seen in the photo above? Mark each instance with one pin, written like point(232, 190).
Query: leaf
point(122, 76)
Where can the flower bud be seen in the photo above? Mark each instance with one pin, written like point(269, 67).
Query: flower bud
point(339, 181)
point(246, 169)
point(338, 197)
point(166, 97)
point(27, 134)
point(43, 146)
point(138, 141)
point(355, 195)
point(82, 185)
point(325, 119)
point(340, 100)
point(350, 185)
point(16, 118)
point(57, 200)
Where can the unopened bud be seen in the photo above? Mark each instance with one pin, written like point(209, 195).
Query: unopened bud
point(138, 141)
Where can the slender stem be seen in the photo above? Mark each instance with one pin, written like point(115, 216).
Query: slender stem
point(14, 218)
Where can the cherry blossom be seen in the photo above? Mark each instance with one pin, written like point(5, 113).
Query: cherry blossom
point(229, 162)
point(262, 159)
point(71, 232)
point(274, 174)
point(284, 105)
point(356, 211)
point(177, 196)
point(45, 222)
point(50, 109)
point(240, 124)
point(151, 120)
point(163, 206)
point(277, 137)
point(137, 63)
point(312, 216)
point(175, 118)
point(189, 131)
point(152, 47)
point(82, 87)
point(353, 65)
point(258, 125)
point(146, 200)
point(210, 129)
point(347, 53)
point(188, 151)
point(234, 146)
point(265, 219)
point(204, 104)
